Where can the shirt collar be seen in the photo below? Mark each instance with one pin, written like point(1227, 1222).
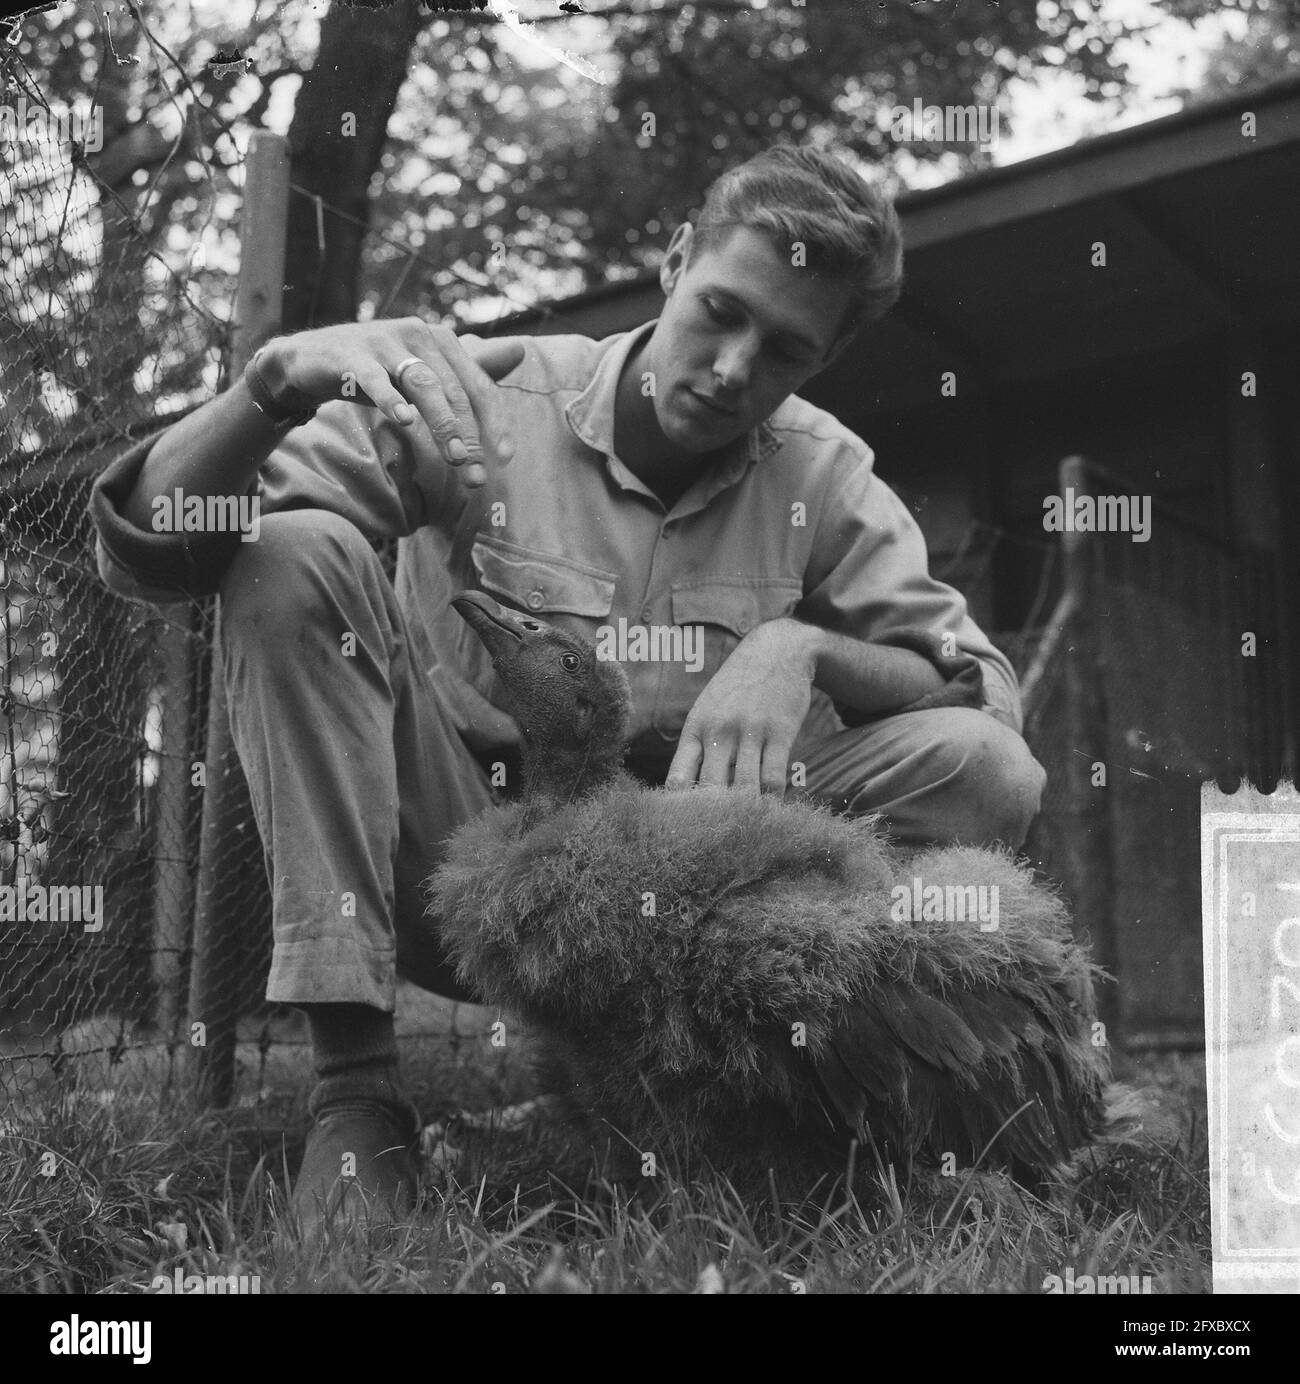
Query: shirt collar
point(591, 414)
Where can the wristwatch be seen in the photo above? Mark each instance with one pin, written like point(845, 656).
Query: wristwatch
point(290, 409)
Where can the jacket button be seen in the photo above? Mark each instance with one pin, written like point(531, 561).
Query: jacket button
point(645, 615)
point(743, 624)
point(534, 600)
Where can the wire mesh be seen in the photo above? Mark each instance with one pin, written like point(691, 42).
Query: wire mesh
point(103, 332)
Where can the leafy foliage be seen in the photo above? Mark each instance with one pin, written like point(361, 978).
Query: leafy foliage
point(1267, 50)
point(551, 185)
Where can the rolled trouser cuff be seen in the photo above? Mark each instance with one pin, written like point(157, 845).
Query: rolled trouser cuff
point(332, 970)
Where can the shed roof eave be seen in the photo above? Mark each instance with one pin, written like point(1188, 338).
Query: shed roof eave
point(1195, 137)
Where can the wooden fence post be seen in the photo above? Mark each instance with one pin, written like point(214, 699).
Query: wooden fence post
point(218, 916)
point(1087, 836)
point(173, 883)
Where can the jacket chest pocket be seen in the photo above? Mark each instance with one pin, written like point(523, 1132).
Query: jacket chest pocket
point(728, 608)
point(543, 582)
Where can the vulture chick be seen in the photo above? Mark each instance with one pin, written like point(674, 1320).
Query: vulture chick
point(734, 977)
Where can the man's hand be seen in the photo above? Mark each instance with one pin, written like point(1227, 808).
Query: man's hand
point(743, 725)
point(450, 388)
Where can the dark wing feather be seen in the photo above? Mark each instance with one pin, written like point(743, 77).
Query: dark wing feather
point(845, 1089)
point(929, 1028)
point(933, 1075)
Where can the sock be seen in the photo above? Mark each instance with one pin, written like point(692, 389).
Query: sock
point(355, 1052)
point(349, 1035)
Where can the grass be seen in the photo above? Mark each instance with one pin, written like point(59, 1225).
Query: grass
point(103, 1193)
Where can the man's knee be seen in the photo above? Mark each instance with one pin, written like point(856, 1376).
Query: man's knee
point(990, 769)
point(951, 774)
point(301, 557)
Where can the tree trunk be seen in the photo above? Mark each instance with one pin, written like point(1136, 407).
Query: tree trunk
point(339, 126)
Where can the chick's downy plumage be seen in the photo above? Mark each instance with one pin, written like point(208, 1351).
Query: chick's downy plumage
point(724, 975)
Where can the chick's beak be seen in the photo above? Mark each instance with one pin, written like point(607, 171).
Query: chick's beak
point(499, 629)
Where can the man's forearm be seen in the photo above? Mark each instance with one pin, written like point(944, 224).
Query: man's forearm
point(871, 678)
point(216, 450)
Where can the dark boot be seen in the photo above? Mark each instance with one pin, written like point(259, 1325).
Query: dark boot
point(361, 1156)
point(360, 1164)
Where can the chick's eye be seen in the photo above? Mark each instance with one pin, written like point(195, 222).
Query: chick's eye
point(570, 662)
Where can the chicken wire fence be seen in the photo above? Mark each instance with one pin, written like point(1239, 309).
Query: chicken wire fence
point(105, 331)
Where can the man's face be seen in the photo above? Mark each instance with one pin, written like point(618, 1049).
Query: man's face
point(742, 329)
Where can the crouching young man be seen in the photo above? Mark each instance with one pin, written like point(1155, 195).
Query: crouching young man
point(667, 476)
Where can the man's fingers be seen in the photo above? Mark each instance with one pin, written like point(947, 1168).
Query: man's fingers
point(377, 385)
point(435, 389)
point(749, 763)
point(759, 766)
point(776, 765)
point(685, 767)
point(478, 370)
point(716, 769)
